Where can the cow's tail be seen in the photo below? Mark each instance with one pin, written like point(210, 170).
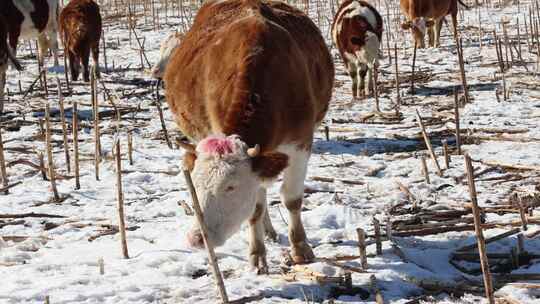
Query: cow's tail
point(465, 5)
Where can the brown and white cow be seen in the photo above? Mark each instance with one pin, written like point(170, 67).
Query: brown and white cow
point(80, 27)
point(357, 33)
point(28, 19)
point(250, 83)
point(428, 15)
point(167, 46)
point(5, 55)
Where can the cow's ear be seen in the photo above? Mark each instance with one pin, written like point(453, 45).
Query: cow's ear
point(189, 161)
point(269, 165)
point(430, 23)
point(406, 25)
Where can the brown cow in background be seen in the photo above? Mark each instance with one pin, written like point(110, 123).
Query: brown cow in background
point(80, 27)
point(428, 15)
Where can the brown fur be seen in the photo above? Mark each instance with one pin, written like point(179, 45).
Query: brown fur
point(259, 69)
point(435, 10)
point(270, 164)
point(80, 27)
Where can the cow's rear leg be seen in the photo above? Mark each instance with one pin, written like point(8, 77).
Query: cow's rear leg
point(268, 227)
point(85, 58)
point(366, 70)
point(431, 34)
point(74, 65)
point(292, 193)
point(43, 44)
point(95, 58)
point(353, 73)
point(257, 250)
point(438, 26)
point(53, 43)
point(3, 69)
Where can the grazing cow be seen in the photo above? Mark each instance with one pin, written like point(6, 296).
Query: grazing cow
point(32, 18)
point(428, 15)
point(5, 55)
point(357, 33)
point(250, 83)
point(80, 27)
point(166, 48)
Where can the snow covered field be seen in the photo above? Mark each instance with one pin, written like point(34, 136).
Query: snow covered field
point(352, 178)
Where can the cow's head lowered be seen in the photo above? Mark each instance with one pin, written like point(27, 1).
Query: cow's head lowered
point(168, 45)
point(227, 175)
point(418, 26)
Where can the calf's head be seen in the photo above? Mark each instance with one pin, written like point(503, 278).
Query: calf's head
point(418, 27)
point(166, 48)
point(227, 175)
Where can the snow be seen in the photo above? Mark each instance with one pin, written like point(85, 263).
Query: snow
point(62, 263)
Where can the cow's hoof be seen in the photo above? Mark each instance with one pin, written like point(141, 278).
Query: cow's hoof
point(302, 254)
point(258, 263)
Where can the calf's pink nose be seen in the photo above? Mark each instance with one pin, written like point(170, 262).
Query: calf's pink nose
point(195, 240)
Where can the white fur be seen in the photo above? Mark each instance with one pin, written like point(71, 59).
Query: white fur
point(363, 11)
point(46, 39)
point(166, 49)
point(295, 174)
point(225, 210)
point(369, 54)
point(358, 9)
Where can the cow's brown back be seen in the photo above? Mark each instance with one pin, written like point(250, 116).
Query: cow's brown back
point(427, 8)
point(80, 24)
point(259, 69)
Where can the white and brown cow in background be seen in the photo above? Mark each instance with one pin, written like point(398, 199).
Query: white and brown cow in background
point(27, 19)
point(6, 55)
point(250, 83)
point(428, 15)
point(167, 46)
point(357, 33)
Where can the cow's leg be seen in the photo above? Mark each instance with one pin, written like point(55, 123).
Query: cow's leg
point(454, 26)
point(353, 72)
point(13, 41)
point(257, 250)
point(95, 58)
point(85, 58)
point(43, 43)
point(418, 38)
point(268, 227)
point(431, 34)
point(74, 65)
point(53, 44)
point(363, 71)
point(438, 27)
point(3, 69)
point(292, 192)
